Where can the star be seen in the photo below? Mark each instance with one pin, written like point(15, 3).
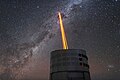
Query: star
point(38, 6)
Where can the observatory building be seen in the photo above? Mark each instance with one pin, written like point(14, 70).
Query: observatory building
point(70, 64)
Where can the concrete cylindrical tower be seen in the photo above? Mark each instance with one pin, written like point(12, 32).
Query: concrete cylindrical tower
point(70, 64)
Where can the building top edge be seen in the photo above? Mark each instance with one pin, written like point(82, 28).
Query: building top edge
point(69, 51)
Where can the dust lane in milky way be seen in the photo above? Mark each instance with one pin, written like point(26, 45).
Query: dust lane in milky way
point(29, 31)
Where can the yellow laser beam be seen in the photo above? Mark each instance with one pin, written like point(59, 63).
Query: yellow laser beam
point(64, 40)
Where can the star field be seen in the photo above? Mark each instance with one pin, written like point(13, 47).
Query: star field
point(29, 31)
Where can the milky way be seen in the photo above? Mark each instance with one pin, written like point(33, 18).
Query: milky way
point(29, 31)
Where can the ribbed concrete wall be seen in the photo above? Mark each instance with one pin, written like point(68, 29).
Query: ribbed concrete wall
point(71, 64)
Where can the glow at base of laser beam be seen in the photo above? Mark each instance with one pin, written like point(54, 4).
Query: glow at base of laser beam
point(64, 40)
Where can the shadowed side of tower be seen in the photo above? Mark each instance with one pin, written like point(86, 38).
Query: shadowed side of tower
point(69, 64)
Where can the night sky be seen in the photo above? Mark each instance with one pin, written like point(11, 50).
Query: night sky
point(29, 31)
